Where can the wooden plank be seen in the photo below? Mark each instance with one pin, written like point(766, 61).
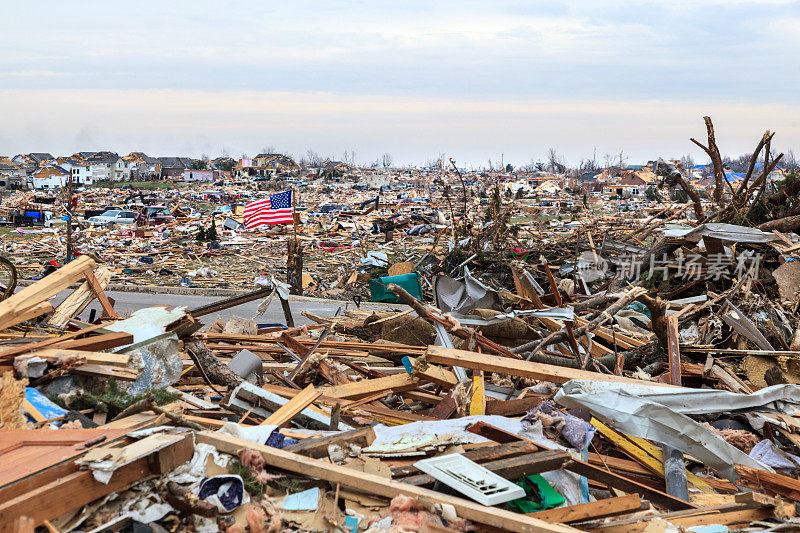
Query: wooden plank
point(91, 358)
point(42, 449)
point(318, 447)
point(673, 350)
point(97, 343)
point(435, 374)
point(590, 471)
point(726, 514)
point(69, 493)
point(650, 456)
point(479, 455)
point(513, 467)
point(97, 289)
point(592, 510)
point(358, 389)
point(27, 314)
point(79, 299)
point(16, 350)
point(526, 369)
point(24, 524)
point(380, 486)
point(12, 308)
point(477, 402)
point(513, 407)
point(445, 408)
point(79, 488)
point(107, 371)
point(291, 408)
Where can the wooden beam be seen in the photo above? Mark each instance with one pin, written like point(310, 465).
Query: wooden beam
point(380, 486)
point(514, 467)
point(97, 343)
point(358, 389)
point(590, 471)
point(592, 510)
point(291, 408)
point(318, 447)
point(525, 369)
point(27, 314)
point(435, 374)
point(16, 350)
point(79, 299)
point(477, 403)
point(481, 455)
point(91, 358)
point(97, 289)
point(674, 351)
point(79, 488)
point(17, 305)
point(513, 407)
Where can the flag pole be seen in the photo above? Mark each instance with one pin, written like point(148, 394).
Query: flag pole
point(294, 212)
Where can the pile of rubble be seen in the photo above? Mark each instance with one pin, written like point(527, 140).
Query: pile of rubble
point(614, 374)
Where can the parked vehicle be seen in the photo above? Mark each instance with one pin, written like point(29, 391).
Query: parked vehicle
point(114, 216)
point(157, 214)
point(326, 209)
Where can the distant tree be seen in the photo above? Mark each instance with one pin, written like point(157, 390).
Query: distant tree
point(588, 165)
point(687, 163)
point(509, 168)
point(311, 159)
point(789, 161)
point(652, 195)
point(268, 149)
point(198, 164)
point(520, 194)
point(555, 163)
point(386, 160)
point(227, 165)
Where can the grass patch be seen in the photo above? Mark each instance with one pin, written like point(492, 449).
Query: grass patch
point(144, 185)
point(9, 233)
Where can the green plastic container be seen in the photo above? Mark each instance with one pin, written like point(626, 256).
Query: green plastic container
point(539, 495)
point(410, 282)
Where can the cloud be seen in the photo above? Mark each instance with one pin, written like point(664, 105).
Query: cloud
point(386, 76)
point(192, 122)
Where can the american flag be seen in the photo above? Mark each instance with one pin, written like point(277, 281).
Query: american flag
point(277, 209)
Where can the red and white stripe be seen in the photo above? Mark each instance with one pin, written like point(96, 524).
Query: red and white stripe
point(261, 213)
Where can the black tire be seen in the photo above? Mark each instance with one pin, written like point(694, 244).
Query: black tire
point(9, 268)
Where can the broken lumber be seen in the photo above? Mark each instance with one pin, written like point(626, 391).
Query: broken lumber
point(378, 485)
point(525, 369)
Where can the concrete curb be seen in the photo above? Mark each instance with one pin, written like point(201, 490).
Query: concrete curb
point(210, 292)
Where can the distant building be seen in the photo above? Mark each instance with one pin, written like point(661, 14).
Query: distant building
point(629, 186)
point(50, 176)
point(197, 175)
point(12, 175)
point(103, 166)
point(173, 167)
point(143, 166)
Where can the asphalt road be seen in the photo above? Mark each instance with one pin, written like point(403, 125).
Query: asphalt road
point(126, 303)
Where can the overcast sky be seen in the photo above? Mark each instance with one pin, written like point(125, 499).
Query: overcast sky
point(471, 79)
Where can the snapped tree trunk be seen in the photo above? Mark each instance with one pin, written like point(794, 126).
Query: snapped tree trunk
point(294, 266)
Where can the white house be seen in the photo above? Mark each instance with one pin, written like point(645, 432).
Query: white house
point(197, 175)
point(50, 176)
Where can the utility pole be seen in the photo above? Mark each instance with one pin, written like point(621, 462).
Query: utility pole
point(68, 208)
